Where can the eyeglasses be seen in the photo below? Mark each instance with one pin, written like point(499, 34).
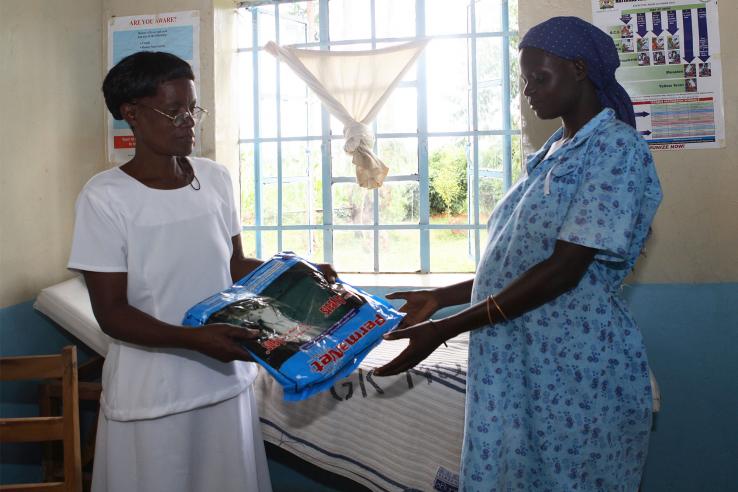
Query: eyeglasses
point(196, 115)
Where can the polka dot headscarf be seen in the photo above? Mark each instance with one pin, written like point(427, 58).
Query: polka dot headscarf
point(572, 38)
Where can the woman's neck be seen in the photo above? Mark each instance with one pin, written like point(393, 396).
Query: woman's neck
point(587, 108)
point(157, 171)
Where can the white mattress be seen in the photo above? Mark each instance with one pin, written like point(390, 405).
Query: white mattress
point(68, 304)
point(395, 433)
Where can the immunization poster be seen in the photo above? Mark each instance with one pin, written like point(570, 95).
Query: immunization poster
point(670, 66)
point(177, 33)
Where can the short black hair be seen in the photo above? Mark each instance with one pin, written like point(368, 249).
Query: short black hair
point(139, 75)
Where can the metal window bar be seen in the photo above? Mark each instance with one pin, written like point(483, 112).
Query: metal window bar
point(423, 170)
point(278, 103)
point(257, 147)
point(424, 226)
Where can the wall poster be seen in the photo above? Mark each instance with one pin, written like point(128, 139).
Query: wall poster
point(670, 66)
point(177, 33)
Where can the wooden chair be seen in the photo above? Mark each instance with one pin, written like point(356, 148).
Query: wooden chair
point(63, 428)
point(50, 403)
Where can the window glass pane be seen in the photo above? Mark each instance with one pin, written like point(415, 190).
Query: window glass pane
point(245, 94)
point(448, 85)
point(491, 152)
point(449, 162)
point(489, 15)
point(395, 18)
point(300, 108)
point(265, 18)
point(299, 22)
point(248, 203)
point(516, 165)
point(295, 202)
point(302, 162)
point(300, 159)
point(446, 17)
point(308, 244)
point(399, 203)
point(267, 95)
point(489, 83)
point(341, 161)
point(269, 203)
point(350, 19)
point(512, 8)
point(515, 87)
point(400, 155)
point(452, 250)
point(400, 113)
point(399, 251)
point(268, 244)
point(490, 192)
point(248, 243)
point(352, 204)
point(268, 160)
point(353, 251)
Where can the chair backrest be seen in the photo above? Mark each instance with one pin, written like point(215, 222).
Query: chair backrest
point(38, 429)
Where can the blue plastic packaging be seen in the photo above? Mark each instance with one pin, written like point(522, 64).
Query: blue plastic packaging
point(312, 332)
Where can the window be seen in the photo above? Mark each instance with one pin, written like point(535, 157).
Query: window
point(450, 134)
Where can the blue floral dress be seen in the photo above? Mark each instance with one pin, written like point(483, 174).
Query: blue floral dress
point(559, 399)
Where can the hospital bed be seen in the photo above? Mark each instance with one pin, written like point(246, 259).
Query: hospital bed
point(396, 433)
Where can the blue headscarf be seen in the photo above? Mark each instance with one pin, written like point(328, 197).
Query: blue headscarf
point(572, 38)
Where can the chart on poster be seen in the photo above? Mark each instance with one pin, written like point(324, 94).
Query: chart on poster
point(174, 32)
point(670, 66)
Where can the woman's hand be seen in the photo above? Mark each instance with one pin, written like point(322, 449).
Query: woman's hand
point(221, 341)
point(424, 340)
point(420, 305)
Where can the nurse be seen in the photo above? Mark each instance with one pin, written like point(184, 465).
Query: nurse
point(152, 238)
point(558, 395)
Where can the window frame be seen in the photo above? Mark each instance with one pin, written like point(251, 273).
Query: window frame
point(422, 177)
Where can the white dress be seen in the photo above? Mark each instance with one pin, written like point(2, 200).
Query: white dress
point(168, 413)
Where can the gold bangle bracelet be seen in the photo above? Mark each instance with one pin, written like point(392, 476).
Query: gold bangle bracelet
point(499, 309)
point(489, 314)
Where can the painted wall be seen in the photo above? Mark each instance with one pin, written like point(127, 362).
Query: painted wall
point(51, 135)
point(695, 235)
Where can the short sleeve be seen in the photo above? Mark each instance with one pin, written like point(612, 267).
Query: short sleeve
point(233, 218)
point(99, 243)
point(604, 212)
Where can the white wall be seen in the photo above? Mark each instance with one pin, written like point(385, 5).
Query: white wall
point(52, 61)
point(51, 136)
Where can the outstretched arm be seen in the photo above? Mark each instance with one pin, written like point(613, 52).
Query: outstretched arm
point(547, 280)
point(120, 320)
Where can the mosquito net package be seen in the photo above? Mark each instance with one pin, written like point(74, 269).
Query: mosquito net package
point(312, 332)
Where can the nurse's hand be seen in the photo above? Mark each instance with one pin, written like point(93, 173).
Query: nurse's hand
point(328, 272)
point(424, 340)
point(221, 341)
point(420, 305)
